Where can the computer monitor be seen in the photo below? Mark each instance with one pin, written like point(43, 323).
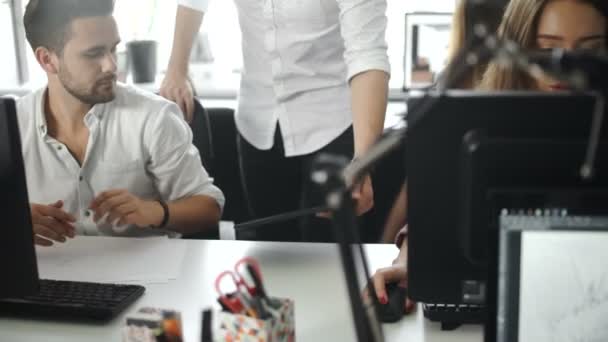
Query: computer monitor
point(537, 142)
point(17, 253)
point(533, 182)
point(552, 279)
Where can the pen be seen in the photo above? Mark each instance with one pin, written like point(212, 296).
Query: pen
point(207, 332)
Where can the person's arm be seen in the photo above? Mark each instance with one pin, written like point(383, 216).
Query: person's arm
point(176, 86)
point(192, 215)
point(396, 273)
point(363, 27)
point(369, 99)
point(186, 216)
point(195, 204)
point(397, 216)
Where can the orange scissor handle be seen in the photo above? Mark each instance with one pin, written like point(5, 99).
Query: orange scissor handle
point(240, 268)
point(231, 302)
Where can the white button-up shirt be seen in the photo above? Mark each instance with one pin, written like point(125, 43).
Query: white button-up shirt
point(298, 58)
point(138, 142)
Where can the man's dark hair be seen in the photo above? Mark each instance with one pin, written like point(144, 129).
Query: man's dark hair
point(48, 22)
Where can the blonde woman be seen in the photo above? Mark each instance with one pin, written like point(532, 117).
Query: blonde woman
point(547, 24)
point(542, 24)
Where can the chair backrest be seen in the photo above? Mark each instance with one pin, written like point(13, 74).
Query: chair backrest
point(226, 163)
point(202, 136)
point(202, 139)
point(214, 135)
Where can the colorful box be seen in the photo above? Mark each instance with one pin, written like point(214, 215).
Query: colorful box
point(280, 327)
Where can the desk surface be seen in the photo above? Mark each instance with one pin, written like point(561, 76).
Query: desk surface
point(308, 273)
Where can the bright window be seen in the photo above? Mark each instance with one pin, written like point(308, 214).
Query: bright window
point(155, 20)
point(222, 28)
point(8, 61)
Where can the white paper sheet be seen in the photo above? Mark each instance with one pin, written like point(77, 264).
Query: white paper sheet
point(564, 287)
point(113, 260)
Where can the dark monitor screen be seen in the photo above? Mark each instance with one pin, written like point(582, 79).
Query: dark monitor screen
point(449, 238)
point(17, 253)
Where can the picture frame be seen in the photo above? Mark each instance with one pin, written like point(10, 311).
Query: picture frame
point(427, 35)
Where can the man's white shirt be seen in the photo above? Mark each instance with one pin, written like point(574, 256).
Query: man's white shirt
point(299, 56)
point(138, 142)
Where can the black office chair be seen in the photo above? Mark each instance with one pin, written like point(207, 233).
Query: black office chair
point(226, 163)
point(202, 136)
point(202, 139)
point(214, 135)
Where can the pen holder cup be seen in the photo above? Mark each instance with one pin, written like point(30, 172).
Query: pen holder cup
point(280, 327)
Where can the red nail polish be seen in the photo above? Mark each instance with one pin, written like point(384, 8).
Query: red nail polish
point(383, 300)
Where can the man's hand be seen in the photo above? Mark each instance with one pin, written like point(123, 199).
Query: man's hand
point(51, 223)
point(176, 87)
point(121, 206)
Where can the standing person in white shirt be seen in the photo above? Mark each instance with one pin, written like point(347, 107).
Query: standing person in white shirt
point(315, 79)
point(102, 158)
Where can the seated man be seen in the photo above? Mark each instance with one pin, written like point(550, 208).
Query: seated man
point(102, 158)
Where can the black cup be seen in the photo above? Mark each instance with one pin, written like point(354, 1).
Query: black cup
point(142, 54)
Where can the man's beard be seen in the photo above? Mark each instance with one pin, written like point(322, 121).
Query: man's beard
point(95, 94)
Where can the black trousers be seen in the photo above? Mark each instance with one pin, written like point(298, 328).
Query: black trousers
point(276, 184)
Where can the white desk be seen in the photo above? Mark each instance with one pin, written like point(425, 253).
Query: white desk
point(308, 273)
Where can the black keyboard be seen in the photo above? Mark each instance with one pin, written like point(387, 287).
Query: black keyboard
point(73, 300)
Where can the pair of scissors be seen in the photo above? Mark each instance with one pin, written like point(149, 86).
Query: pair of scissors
point(245, 276)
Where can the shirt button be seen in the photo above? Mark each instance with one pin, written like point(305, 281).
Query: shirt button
point(87, 213)
point(60, 147)
point(81, 178)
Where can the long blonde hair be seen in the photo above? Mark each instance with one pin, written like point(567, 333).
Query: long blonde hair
point(520, 25)
point(458, 42)
point(458, 31)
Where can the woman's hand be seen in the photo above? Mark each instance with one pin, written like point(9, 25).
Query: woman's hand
point(397, 273)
